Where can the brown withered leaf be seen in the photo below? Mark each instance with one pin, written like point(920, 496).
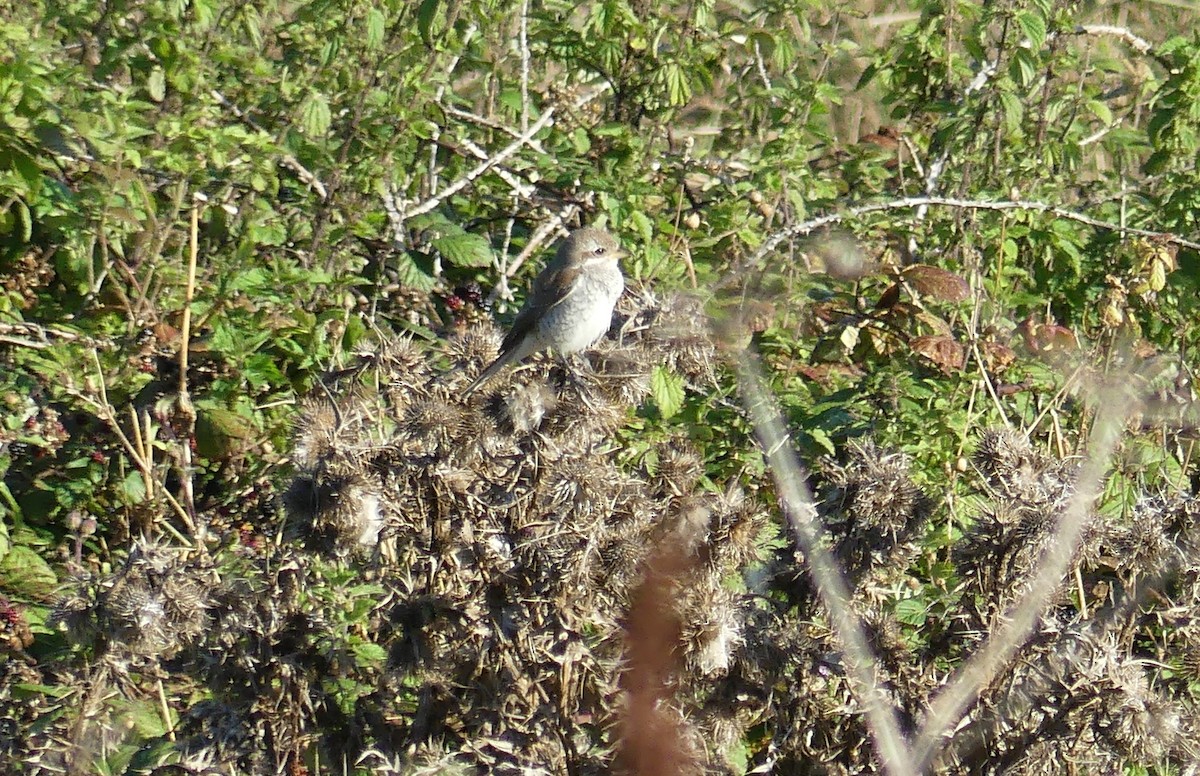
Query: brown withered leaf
point(1043, 338)
point(996, 356)
point(936, 282)
point(826, 373)
point(943, 351)
point(889, 297)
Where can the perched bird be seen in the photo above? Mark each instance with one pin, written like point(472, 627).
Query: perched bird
point(571, 304)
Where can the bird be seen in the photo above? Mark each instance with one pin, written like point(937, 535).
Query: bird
point(570, 305)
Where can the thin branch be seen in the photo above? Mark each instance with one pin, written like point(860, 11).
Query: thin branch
point(806, 227)
point(38, 337)
point(1140, 45)
point(933, 177)
point(539, 238)
point(484, 121)
point(186, 410)
point(287, 160)
point(471, 176)
point(524, 42)
point(522, 189)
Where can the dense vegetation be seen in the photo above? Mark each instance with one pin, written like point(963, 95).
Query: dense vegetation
point(250, 253)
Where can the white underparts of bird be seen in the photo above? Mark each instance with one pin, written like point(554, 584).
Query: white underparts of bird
point(570, 305)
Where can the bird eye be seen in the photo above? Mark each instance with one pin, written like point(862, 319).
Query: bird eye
point(599, 251)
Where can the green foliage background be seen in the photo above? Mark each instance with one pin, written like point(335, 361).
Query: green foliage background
point(305, 138)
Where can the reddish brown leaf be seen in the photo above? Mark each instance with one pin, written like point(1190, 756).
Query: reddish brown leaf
point(996, 356)
point(1044, 338)
point(943, 351)
point(937, 283)
point(825, 373)
point(889, 297)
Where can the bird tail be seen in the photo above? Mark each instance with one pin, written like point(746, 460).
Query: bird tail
point(487, 374)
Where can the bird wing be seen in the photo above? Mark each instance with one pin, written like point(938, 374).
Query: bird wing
point(551, 288)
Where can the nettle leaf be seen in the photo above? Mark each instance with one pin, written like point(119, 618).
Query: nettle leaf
point(376, 25)
point(1034, 27)
point(24, 572)
point(315, 117)
point(666, 389)
point(464, 249)
point(912, 611)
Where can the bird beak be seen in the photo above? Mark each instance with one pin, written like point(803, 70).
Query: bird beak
point(621, 253)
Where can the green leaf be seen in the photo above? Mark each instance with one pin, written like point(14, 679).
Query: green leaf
point(666, 389)
point(134, 487)
point(409, 275)
point(24, 572)
point(156, 84)
point(464, 250)
point(376, 26)
point(822, 439)
point(911, 611)
point(1034, 27)
point(428, 20)
point(369, 653)
point(1027, 66)
point(314, 115)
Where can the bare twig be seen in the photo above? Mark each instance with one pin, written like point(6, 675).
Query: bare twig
point(472, 175)
point(807, 227)
point(520, 188)
point(186, 410)
point(140, 453)
point(287, 160)
point(1140, 45)
point(484, 121)
point(38, 337)
point(540, 237)
point(524, 42)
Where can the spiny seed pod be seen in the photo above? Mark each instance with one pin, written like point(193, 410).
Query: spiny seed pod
point(474, 348)
point(622, 375)
point(156, 605)
point(432, 427)
point(402, 360)
point(338, 515)
point(679, 468)
point(316, 429)
point(712, 629)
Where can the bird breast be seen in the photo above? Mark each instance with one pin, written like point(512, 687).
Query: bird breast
point(584, 316)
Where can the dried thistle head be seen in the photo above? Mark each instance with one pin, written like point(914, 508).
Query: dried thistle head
point(1015, 470)
point(339, 515)
point(473, 348)
point(316, 431)
point(156, 604)
point(680, 333)
point(1141, 546)
point(874, 507)
point(330, 435)
point(432, 427)
point(679, 468)
point(621, 375)
point(401, 361)
point(712, 628)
